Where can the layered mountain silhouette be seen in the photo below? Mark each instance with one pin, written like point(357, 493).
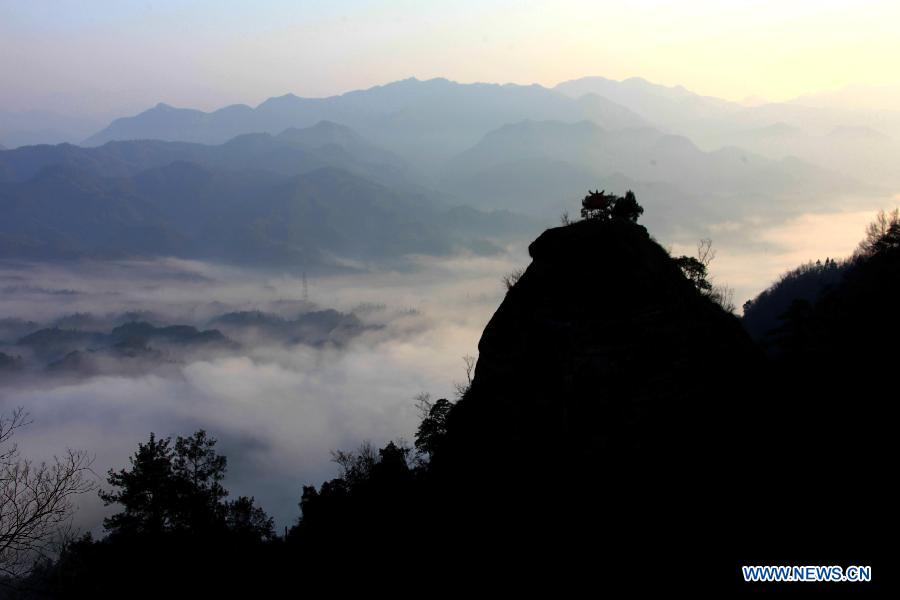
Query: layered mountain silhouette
point(77, 350)
point(428, 122)
point(536, 166)
point(694, 160)
point(114, 201)
point(668, 106)
point(291, 152)
point(421, 120)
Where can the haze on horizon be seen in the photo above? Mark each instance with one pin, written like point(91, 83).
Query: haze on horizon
point(105, 59)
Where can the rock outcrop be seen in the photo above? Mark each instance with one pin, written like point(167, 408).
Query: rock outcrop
point(604, 348)
point(605, 409)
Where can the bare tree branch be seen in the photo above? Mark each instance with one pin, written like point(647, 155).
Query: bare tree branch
point(705, 252)
point(36, 499)
point(511, 278)
point(462, 388)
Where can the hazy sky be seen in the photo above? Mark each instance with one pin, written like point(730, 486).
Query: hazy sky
point(102, 56)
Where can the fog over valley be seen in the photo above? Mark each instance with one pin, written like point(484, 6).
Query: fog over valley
point(278, 397)
point(284, 372)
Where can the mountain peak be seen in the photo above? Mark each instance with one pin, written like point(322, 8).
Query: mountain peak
point(323, 133)
point(593, 348)
point(284, 100)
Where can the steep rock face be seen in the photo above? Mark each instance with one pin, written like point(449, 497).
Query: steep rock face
point(603, 347)
point(614, 406)
point(607, 409)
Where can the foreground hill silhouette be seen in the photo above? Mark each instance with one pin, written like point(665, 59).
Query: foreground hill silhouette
point(804, 285)
point(621, 431)
point(606, 385)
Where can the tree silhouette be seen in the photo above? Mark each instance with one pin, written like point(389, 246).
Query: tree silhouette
point(695, 271)
point(627, 207)
point(433, 429)
point(881, 234)
point(174, 524)
point(248, 522)
point(146, 492)
point(198, 471)
point(599, 205)
point(172, 488)
point(36, 500)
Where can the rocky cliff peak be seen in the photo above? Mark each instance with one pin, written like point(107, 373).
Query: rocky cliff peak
point(604, 347)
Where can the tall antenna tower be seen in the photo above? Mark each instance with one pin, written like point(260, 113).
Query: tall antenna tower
point(305, 288)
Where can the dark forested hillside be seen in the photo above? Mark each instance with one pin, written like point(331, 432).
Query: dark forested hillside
point(794, 290)
point(315, 219)
point(311, 197)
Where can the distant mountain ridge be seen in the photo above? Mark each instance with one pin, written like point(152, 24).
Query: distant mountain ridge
point(667, 106)
point(317, 219)
point(291, 152)
point(535, 165)
point(438, 117)
point(428, 122)
point(695, 161)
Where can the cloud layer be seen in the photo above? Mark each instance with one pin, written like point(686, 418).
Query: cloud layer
point(278, 410)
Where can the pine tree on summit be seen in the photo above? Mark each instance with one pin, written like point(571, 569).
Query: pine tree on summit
point(627, 207)
point(603, 206)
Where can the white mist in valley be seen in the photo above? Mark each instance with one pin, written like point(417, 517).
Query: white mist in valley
point(278, 409)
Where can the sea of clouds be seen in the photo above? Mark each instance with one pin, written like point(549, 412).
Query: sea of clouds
point(278, 410)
